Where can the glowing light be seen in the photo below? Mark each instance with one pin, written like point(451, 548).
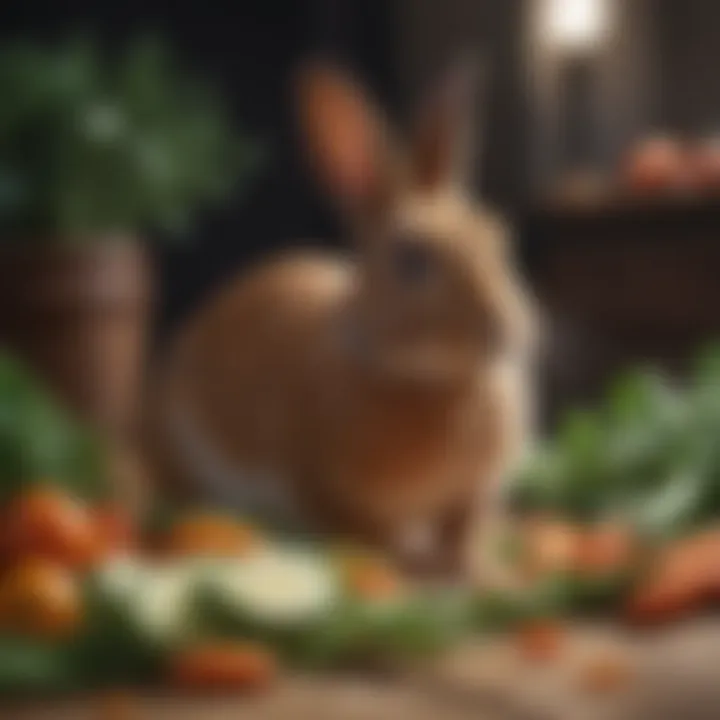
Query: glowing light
point(574, 25)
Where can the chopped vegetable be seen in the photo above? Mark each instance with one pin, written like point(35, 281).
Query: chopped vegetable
point(121, 577)
point(578, 568)
point(540, 641)
point(210, 535)
point(278, 587)
point(370, 578)
point(606, 548)
point(549, 546)
point(46, 522)
point(155, 602)
point(683, 578)
point(222, 667)
point(40, 598)
point(115, 530)
point(33, 668)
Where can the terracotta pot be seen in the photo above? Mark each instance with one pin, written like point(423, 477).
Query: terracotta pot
point(79, 315)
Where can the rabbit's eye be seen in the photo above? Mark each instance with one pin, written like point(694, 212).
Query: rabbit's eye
point(412, 261)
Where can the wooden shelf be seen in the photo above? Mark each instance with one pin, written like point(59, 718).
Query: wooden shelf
point(625, 280)
point(627, 209)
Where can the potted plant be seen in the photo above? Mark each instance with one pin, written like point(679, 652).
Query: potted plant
point(94, 153)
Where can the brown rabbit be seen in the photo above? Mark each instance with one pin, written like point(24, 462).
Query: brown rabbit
point(380, 398)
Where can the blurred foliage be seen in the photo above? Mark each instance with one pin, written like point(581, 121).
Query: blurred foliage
point(649, 455)
point(40, 442)
point(32, 668)
point(90, 146)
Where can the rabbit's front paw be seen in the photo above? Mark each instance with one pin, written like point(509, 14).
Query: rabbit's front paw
point(416, 548)
point(495, 573)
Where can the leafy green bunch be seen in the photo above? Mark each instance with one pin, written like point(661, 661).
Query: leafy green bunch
point(92, 145)
point(650, 455)
point(40, 442)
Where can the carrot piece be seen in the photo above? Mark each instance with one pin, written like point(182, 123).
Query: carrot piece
point(218, 667)
point(540, 641)
point(683, 579)
point(213, 535)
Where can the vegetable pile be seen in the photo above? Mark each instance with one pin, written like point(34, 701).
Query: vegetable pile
point(91, 597)
point(222, 614)
point(649, 455)
point(647, 462)
point(615, 516)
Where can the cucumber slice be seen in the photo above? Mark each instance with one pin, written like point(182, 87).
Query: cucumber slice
point(277, 588)
point(154, 603)
point(120, 578)
point(164, 607)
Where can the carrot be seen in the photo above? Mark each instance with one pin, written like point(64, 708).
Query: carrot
point(46, 522)
point(116, 530)
point(604, 549)
point(540, 641)
point(218, 667)
point(551, 545)
point(41, 598)
point(373, 580)
point(213, 535)
point(684, 578)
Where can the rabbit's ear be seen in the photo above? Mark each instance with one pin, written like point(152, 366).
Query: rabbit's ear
point(443, 147)
point(346, 137)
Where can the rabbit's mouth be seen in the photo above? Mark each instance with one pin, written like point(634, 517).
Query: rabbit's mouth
point(429, 362)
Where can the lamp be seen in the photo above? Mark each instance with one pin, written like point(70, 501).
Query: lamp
point(574, 26)
point(572, 37)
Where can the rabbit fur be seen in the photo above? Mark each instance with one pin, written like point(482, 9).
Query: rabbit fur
point(380, 396)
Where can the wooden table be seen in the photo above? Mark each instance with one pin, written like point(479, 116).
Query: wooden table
point(673, 675)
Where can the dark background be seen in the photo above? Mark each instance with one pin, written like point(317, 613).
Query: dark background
point(252, 46)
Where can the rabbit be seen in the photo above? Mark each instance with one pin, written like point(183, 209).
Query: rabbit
point(379, 396)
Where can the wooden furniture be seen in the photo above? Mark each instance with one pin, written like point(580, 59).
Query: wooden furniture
point(624, 282)
point(667, 675)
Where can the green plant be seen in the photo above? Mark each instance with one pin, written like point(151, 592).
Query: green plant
point(40, 442)
point(649, 454)
point(92, 146)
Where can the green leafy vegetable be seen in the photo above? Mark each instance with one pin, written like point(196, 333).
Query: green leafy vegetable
point(29, 667)
point(648, 455)
point(40, 442)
